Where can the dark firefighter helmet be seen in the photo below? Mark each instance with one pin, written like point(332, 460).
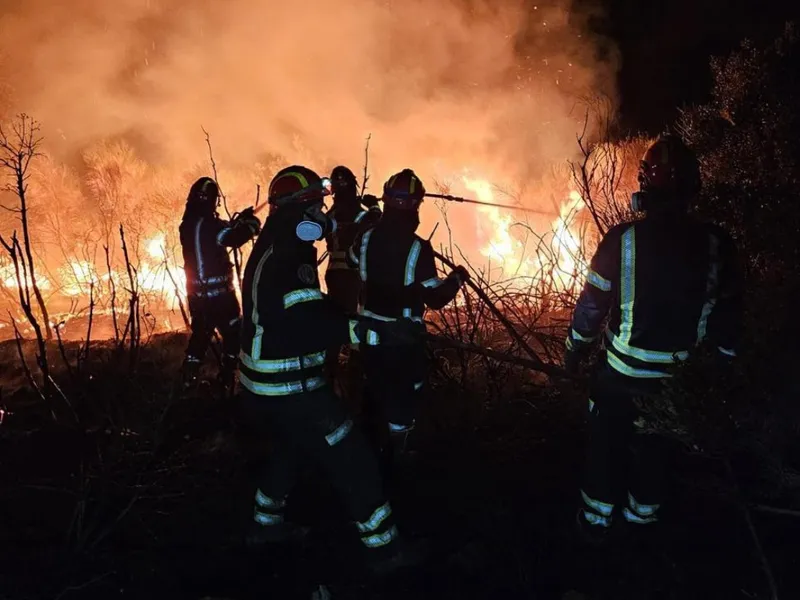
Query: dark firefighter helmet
point(343, 179)
point(297, 185)
point(403, 190)
point(204, 193)
point(669, 167)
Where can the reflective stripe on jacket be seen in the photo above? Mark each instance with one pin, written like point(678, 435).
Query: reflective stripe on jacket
point(205, 240)
point(399, 274)
point(351, 220)
point(288, 323)
point(665, 285)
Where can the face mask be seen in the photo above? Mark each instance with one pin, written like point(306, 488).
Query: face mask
point(315, 225)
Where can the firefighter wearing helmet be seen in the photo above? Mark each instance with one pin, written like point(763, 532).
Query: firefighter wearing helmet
point(666, 282)
point(353, 214)
point(288, 326)
point(205, 241)
point(400, 280)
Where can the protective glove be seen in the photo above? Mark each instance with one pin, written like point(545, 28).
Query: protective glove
point(247, 213)
point(247, 218)
point(402, 332)
point(369, 201)
point(572, 362)
point(460, 274)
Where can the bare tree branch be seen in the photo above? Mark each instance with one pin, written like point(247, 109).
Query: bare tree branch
point(365, 179)
point(17, 150)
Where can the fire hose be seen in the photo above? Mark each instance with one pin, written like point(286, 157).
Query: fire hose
point(441, 341)
point(551, 370)
point(535, 362)
point(496, 311)
point(450, 198)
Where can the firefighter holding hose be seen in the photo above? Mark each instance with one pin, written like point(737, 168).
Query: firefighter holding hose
point(666, 283)
point(288, 326)
point(353, 214)
point(400, 280)
point(213, 306)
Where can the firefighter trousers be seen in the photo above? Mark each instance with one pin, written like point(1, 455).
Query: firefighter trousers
point(396, 379)
point(314, 426)
point(218, 313)
point(621, 460)
point(344, 288)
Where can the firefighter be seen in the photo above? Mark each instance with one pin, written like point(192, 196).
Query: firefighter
point(666, 282)
point(288, 326)
point(400, 279)
point(205, 240)
point(342, 280)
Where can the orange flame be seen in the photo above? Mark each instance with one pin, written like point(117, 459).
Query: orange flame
point(544, 255)
point(553, 261)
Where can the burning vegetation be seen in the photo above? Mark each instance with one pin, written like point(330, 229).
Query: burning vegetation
point(77, 260)
point(482, 104)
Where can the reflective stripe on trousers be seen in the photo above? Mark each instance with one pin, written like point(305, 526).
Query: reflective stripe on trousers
point(282, 389)
point(213, 280)
point(213, 293)
point(268, 511)
point(597, 512)
point(374, 533)
point(641, 514)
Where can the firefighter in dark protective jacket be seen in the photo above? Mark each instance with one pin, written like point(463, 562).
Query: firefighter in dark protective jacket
point(288, 326)
point(343, 280)
point(666, 283)
point(400, 280)
point(205, 240)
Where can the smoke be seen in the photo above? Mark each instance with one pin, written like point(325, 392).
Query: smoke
point(480, 88)
point(441, 86)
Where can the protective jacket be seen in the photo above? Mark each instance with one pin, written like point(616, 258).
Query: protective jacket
point(205, 239)
point(288, 324)
point(399, 273)
point(351, 220)
point(666, 283)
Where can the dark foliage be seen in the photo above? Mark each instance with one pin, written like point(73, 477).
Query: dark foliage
point(748, 138)
point(748, 141)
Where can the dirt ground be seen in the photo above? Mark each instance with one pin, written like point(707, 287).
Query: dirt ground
point(494, 491)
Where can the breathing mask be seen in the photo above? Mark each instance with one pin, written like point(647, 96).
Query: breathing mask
point(315, 225)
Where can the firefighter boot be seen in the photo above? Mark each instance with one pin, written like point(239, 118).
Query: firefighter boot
point(594, 535)
point(400, 554)
point(270, 526)
point(402, 453)
point(227, 372)
point(190, 371)
point(395, 456)
point(354, 377)
point(262, 536)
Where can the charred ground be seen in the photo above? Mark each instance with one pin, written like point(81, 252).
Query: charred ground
point(152, 501)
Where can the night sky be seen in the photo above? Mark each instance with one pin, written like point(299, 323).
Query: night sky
point(665, 47)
